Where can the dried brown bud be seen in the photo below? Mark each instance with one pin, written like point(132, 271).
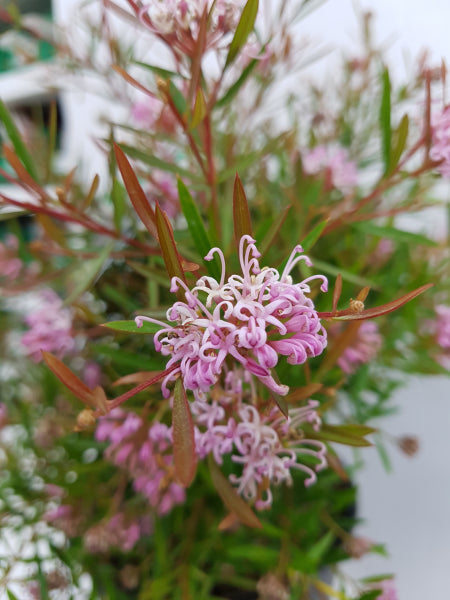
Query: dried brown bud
point(85, 420)
point(270, 587)
point(356, 547)
point(129, 577)
point(408, 444)
point(356, 306)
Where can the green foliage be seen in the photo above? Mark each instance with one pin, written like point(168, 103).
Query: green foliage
point(214, 162)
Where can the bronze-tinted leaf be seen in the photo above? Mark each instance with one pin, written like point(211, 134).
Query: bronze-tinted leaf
point(69, 379)
point(241, 213)
point(370, 313)
point(184, 456)
point(169, 250)
point(303, 393)
point(137, 195)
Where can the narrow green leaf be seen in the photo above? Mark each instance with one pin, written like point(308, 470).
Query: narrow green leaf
point(395, 234)
point(131, 327)
point(312, 237)
point(137, 195)
point(16, 140)
point(385, 119)
point(163, 73)
point(382, 453)
point(241, 212)
point(44, 595)
point(244, 28)
point(199, 112)
point(197, 229)
point(155, 162)
point(349, 435)
point(399, 139)
point(373, 595)
point(11, 596)
point(230, 498)
point(236, 86)
point(184, 457)
point(178, 99)
point(169, 249)
point(85, 272)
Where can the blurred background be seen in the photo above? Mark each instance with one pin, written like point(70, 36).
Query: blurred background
point(408, 508)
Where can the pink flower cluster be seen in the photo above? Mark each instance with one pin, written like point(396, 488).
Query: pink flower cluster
point(10, 264)
point(441, 330)
point(177, 21)
point(152, 113)
point(145, 453)
point(387, 588)
point(364, 348)
point(339, 171)
point(251, 318)
point(116, 532)
point(440, 141)
point(264, 444)
point(50, 327)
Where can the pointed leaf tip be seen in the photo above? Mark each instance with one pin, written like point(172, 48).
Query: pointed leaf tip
point(69, 379)
point(135, 192)
point(241, 212)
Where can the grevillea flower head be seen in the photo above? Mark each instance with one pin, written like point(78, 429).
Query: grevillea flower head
point(264, 445)
point(145, 453)
point(251, 319)
point(50, 327)
point(178, 21)
point(340, 172)
point(440, 141)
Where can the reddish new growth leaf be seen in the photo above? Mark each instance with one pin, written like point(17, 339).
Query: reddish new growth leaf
point(137, 195)
point(354, 314)
point(70, 380)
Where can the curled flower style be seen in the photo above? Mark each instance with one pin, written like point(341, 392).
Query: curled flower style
point(269, 447)
point(252, 318)
point(146, 454)
point(265, 445)
point(178, 21)
point(50, 327)
point(340, 172)
point(364, 348)
point(440, 141)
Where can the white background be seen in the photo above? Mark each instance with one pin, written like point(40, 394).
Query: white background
point(408, 509)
